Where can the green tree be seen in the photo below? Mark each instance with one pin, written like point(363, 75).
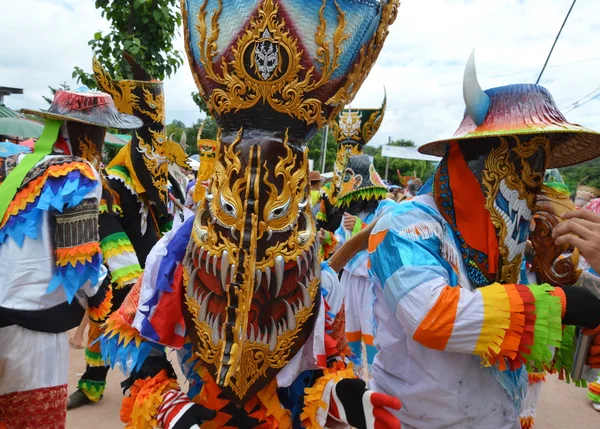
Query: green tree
point(145, 29)
point(315, 151)
point(587, 173)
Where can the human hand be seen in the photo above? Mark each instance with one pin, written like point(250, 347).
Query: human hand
point(352, 403)
point(593, 359)
point(349, 222)
point(581, 229)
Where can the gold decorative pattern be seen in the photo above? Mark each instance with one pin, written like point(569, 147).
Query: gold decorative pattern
point(500, 165)
point(373, 123)
point(284, 90)
point(368, 56)
point(255, 358)
point(156, 161)
point(89, 152)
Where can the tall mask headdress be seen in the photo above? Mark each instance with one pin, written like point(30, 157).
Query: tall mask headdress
point(352, 130)
point(271, 72)
point(486, 185)
point(149, 151)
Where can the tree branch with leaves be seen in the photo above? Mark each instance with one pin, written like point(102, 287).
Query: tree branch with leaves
point(144, 28)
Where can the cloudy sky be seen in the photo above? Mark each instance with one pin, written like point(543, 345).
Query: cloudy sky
point(421, 64)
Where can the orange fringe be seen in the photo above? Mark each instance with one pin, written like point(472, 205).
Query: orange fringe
point(537, 377)
point(510, 344)
point(527, 422)
point(139, 410)
point(115, 325)
point(269, 406)
point(100, 313)
point(94, 331)
point(33, 188)
point(77, 254)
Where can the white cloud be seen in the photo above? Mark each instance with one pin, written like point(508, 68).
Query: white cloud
point(421, 64)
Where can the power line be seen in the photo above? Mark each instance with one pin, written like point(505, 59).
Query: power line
point(555, 40)
point(578, 103)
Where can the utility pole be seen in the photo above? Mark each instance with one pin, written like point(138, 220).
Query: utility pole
point(387, 161)
point(324, 147)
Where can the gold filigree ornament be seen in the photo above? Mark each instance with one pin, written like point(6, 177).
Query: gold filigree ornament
point(156, 161)
point(273, 73)
point(512, 175)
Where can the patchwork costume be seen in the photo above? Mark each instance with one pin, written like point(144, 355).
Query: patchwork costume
point(50, 256)
point(238, 289)
point(352, 130)
point(362, 194)
point(446, 266)
point(134, 217)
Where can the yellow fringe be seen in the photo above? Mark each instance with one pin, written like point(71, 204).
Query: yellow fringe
point(496, 321)
point(313, 400)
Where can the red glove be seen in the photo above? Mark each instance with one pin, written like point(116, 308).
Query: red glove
point(353, 404)
point(593, 359)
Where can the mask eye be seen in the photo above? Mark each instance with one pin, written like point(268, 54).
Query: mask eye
point(279, 212)
point(228, 208)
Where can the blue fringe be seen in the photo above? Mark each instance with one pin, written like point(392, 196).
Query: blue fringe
point(129, 356)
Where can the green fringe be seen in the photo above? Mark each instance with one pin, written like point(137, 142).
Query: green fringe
point(366, 194)
point(547, 331)
point(565, 354)
point(93, 359)
point(321, 216)
point(113, 241)
point(92, 389)
point(117, 274)
point(593, 397)
point(560, 187)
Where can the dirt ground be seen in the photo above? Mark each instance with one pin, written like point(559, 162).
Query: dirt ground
point(561, 406)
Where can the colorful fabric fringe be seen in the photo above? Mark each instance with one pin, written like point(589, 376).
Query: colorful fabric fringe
point(316, 401)
point(366, 194)
point(328, 246)
point(92, 389)
point(520, 325)
point(100, 312)
point(594, 392)
point(93, 355)
point(527, 422)
point(122, 344)
point(265, 406)
point(121, 259)
point(140, 409)
point(61, 186)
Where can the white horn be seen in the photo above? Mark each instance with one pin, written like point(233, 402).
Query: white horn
point(477, 102)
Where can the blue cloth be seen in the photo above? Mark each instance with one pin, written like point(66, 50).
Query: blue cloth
point(9, 149)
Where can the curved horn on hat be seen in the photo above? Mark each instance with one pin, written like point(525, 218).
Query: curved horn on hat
point(477, 102)
point(183, 141)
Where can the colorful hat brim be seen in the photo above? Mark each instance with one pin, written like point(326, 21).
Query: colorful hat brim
point(111, 120)
point(573, 144)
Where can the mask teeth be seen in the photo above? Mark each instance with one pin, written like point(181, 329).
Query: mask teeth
point(279, 268)
point(257, 280)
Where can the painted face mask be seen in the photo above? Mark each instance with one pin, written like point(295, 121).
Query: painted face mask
point(352, 129)
point(149, 149)
point(492, 172)
point(272, 73)
point(360, 181)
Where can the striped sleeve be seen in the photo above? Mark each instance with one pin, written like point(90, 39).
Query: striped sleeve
point(506, 325)
point(119, 254)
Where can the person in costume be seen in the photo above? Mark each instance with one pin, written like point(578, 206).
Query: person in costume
point(50, 255)
point(362, 199)
point(138, 213)
point(237, 289)
point(585, 225)
point(446, 267)
point(538, 266)
point(352, 130)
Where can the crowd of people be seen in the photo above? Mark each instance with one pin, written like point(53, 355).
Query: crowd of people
point(293, 303)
